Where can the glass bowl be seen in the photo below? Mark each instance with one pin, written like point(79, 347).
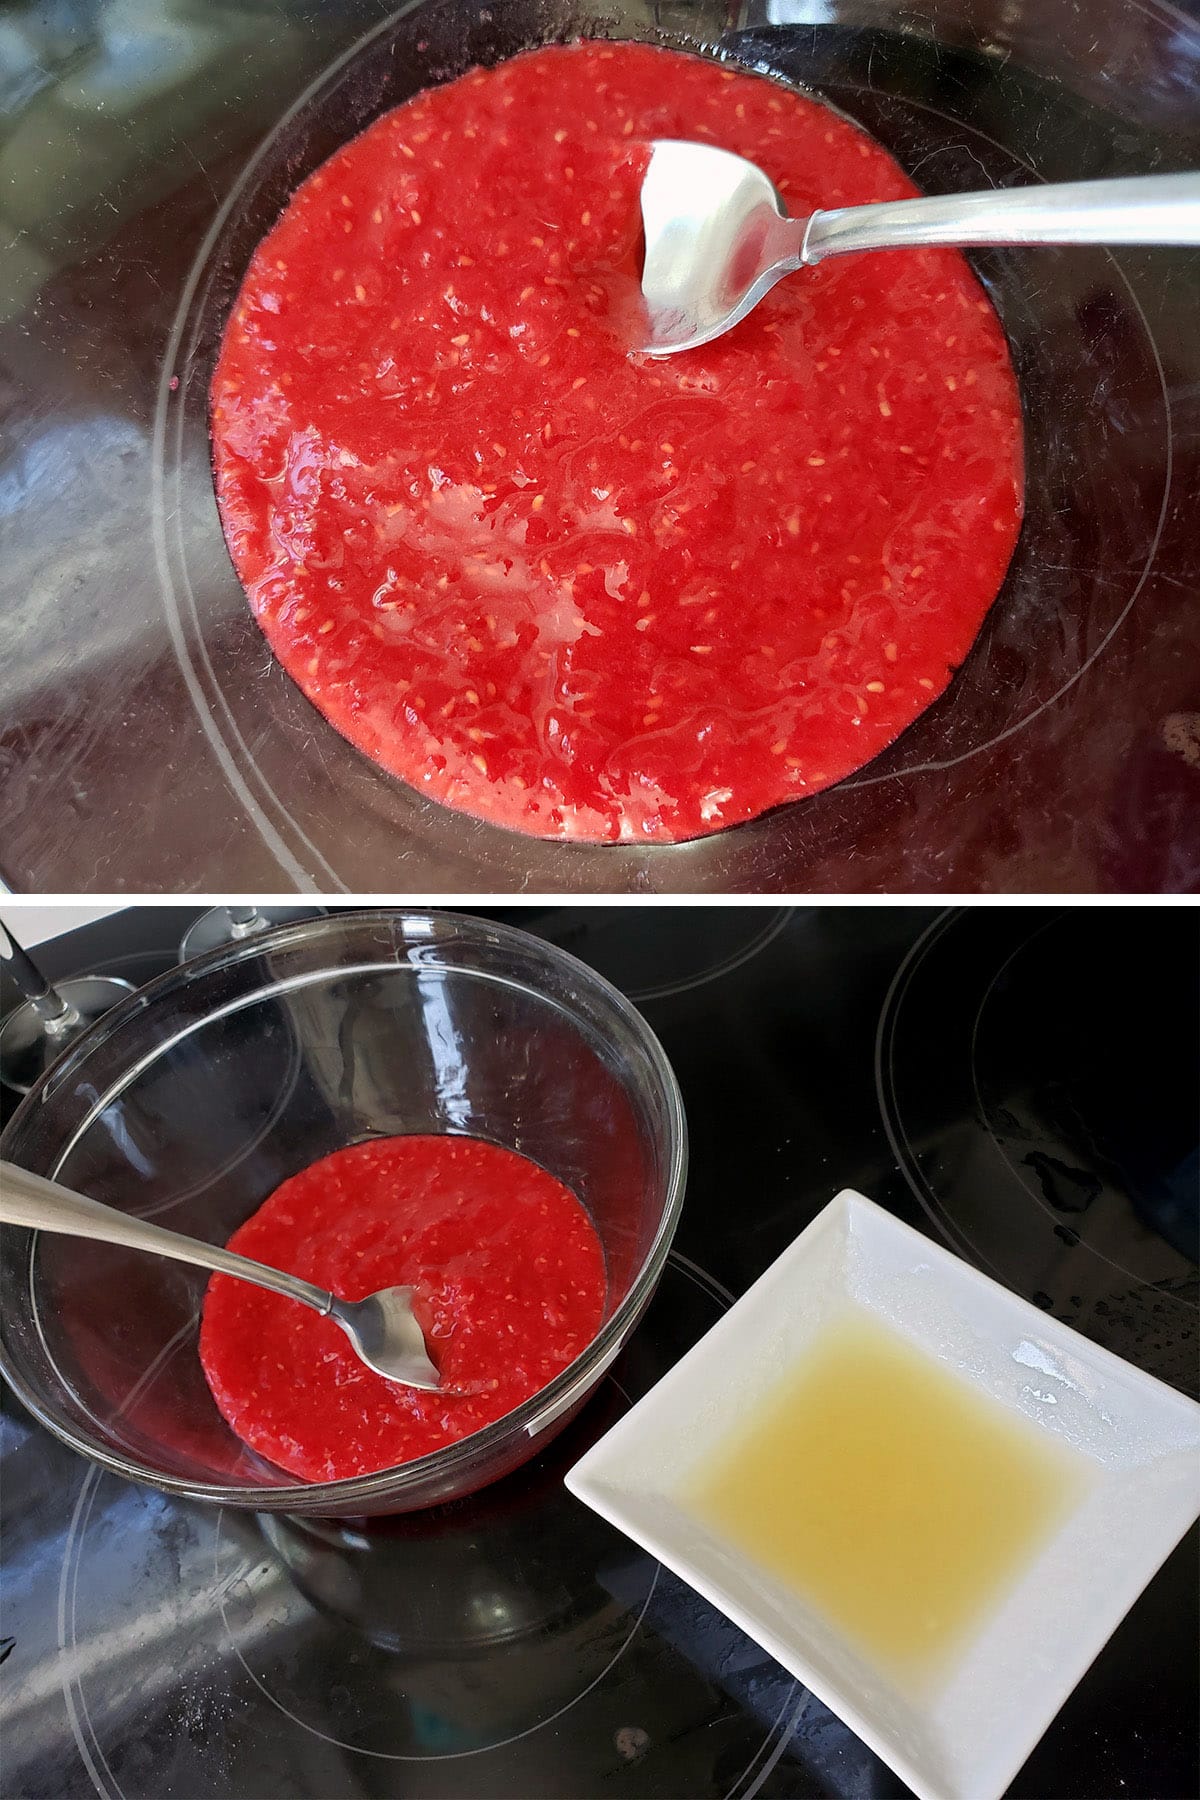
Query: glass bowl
point(965, 94)
point(144, 165)
point(192, 1100)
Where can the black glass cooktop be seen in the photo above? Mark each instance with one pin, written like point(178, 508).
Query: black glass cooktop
point(1019, 1083)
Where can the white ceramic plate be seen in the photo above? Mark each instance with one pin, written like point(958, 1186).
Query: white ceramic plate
point(966, 1739)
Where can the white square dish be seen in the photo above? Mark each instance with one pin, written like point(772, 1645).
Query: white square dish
point(965, 1738)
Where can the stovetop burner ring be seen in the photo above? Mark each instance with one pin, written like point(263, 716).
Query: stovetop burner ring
point(994, 1074)
point(445, 1755)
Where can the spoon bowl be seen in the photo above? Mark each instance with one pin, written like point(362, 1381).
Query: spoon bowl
point(717, 238)
point(385, 1333)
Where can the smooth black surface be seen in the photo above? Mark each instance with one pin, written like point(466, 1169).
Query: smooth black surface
point(150, 743)
point(514, 1645)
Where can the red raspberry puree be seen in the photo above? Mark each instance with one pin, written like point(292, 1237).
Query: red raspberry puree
point(510, 1287)
point(572, 589)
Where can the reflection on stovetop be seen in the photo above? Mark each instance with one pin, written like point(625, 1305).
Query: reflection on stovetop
point(992, 1078)
point(1041, 1099)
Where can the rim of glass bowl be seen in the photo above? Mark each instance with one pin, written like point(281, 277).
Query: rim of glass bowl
point(433, 930)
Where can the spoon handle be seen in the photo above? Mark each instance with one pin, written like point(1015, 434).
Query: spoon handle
point(1137, 209)
point(43, 1205)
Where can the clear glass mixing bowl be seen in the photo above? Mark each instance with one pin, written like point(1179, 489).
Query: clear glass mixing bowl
point(192, 1100)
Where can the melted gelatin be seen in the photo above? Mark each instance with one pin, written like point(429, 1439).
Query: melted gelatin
point(891, 1495)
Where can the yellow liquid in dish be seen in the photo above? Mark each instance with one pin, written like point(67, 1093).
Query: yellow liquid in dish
point(895, 1499)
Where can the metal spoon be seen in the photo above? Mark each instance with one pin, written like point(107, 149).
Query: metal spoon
point(382, 1327)
point(718, 237)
